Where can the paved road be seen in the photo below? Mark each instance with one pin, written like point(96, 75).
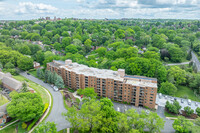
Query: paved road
point(196, 61)
point(58, 106)
point(175, 64)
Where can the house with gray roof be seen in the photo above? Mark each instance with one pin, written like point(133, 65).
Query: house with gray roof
point(11, 83)
point(3, 114)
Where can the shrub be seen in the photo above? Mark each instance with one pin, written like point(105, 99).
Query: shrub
point(32, 124)
point(24, 125)
point(79, 91)
point(173, 107)
point(45, 107)
point(188, 111)
point(77, 100)
point(198, 111)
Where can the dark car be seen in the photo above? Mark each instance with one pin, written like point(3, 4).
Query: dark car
point(175, 99)
point(28, 73)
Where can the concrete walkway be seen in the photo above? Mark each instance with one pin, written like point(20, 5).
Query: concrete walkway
point(175, 64)
point(76, 96)
point(8, 125)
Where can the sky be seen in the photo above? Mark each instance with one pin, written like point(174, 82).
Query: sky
point(99, 9)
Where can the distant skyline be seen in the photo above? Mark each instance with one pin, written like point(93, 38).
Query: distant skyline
point(99, 9)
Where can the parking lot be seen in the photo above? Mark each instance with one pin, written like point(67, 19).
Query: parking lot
point(162, 99)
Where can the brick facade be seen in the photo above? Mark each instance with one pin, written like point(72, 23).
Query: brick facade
point(137, 90)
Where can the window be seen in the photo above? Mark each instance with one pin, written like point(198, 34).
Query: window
point(4, 120)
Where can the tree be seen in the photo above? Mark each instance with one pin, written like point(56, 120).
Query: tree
point(59, 82)
point(101, 51)
point(198, 111)
point(9, 65)
point(87, 92)
point(188, 110)
point(119, 34)
point(154, 123)
point(123, 126)
point(127, 52)
point(176, 54)
point(25, 50)
point(39, 56)
point(65, 34)
point(24, 87)
point(174, 107)
point(152, 54)
point(66, 41)
point(196, 127)
point(182, 125)
point(136, 121)
point(168, 88)
point(48, 127)
point(178, 74)
point(25, 63)
point(109, 121)
point(90, 116)
point(71, 49)
point(50, 77)
point(46, 75)
point(35, 37)
point(72, 117)
point(87, 45)
point(25, 106)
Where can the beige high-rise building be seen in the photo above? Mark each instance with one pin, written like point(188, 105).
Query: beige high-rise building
point(116, 85)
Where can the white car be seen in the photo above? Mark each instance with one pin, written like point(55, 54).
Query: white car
point(55, 88)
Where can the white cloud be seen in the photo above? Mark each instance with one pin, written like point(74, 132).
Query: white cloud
point(31, 8)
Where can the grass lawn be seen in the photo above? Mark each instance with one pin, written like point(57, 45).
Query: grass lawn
point(10, 129)
point(3, 100)
point(33, 73)
point(186, 91)
point(170, 115)
point(38, 88)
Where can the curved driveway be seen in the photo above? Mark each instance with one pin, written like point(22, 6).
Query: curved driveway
point(58, 105)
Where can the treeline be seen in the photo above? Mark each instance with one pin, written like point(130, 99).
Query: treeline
point(50, 77)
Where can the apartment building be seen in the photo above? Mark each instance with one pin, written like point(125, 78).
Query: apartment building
point(116, 85)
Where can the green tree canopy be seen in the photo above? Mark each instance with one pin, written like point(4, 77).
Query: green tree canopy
point(48, 127)
point(25, 63)
point(25, 106)
point(182, 125)
point(168, 88)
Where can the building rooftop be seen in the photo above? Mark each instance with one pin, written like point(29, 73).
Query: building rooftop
point(3, 109)
point(91, 71)
point(105, 73)
point(11, 82)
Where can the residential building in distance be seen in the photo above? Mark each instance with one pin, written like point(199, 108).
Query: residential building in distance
point(12, 84)
point(116, 85)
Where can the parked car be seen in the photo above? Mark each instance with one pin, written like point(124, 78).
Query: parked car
point(28, 73)
point(165, 97)
point(160, 95)
point(172, 99)
point(55, 88)
point(175, 99)
point(196, 104)
point(189, 102)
